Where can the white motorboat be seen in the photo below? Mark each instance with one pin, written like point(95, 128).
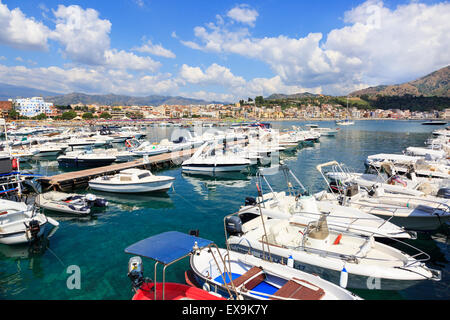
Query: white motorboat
point(208, 159)
point(412, 213)
point(48, 149)
point(145, 148)
point(132, 181)
point(317, 249)
point(404, 164)
point(75, 204)
point(297, 206)
point(345, 122)
point(323, 131)
point(408, 184)
point(257, 279)
point(20, 224)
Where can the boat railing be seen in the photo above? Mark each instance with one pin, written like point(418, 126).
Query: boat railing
point(354, 257)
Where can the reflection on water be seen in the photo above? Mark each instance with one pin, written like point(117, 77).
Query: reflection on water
point(132, 202)
point(207, 183)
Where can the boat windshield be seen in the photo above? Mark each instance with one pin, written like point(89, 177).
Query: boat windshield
point(143, 175)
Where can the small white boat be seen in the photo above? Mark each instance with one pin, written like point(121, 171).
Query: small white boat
point(257, 279)
point(20, 224)
point(323, 131)
point(75, 204)
point(132, 181)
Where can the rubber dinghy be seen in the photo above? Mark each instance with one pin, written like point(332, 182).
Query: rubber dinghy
point(317, 249)
point(256, 279)
point(69, 203)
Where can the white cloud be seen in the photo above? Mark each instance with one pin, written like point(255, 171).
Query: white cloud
point(89, 80)
point(379, 45)
point(126, 60)
point(244, 14)
point(139, 3)
point(155, 49)
point(213, 75)
point(21, 32)
point(83, 34)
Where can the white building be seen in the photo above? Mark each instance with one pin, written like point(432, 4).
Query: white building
point(31, 107)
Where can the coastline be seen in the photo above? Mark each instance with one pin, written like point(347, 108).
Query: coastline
point(71, 123)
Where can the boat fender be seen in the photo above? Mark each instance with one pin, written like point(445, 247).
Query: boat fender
point(290, 261)
point(344, 278)
point(206, 287)
point(14, 164)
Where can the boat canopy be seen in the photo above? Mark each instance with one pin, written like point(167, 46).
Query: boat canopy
point(167, 247)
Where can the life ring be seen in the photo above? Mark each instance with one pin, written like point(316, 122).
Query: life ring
point(128, 144)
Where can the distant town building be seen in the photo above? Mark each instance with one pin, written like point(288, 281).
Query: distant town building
point(31, 107)
point(5, 107)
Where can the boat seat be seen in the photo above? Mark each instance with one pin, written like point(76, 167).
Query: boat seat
point(249, 279)
point(299, 289)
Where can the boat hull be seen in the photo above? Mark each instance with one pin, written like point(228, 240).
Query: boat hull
point(159, 186)
point(21, 236)
point(212, 168)
point(354, 281)
point(82, 163)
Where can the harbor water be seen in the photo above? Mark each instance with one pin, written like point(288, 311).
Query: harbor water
point(95, 246)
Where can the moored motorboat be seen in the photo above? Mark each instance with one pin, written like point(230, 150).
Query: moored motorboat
point(257, 279)
point(211, 160)
point(132, 181)
point(86, 159)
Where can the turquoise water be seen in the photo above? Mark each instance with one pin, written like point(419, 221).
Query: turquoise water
point(97, 245)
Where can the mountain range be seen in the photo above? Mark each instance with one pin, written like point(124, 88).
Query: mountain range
point(13, 92)
point(435, 84)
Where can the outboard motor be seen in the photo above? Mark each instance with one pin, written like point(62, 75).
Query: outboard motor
point(249, 201)
point(34, 229)
point(136, 272)
point(93, 200)
point(233, 225)
point(444, 193)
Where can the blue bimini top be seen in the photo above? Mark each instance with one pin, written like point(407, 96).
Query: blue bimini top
point(167, 247)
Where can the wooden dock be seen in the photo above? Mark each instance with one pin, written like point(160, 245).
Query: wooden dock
point(71, 180)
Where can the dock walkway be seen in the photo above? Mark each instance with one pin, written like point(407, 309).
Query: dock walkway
point(77, 179)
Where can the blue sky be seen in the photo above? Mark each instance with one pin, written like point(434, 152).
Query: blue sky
point(220, 50)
